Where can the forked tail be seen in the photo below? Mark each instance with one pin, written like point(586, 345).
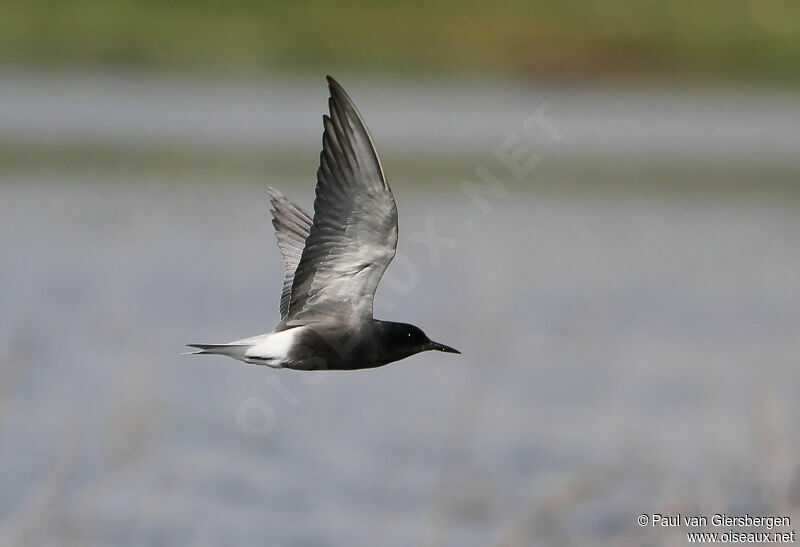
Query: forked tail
point(236, 351)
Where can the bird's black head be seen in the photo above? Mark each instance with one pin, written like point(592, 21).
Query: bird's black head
point(402, 340)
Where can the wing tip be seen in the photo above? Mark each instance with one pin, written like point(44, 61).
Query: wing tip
point(338, 94)
point(341, 103)
point(274, 194)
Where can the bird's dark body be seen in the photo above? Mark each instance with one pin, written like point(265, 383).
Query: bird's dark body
point(357, 346)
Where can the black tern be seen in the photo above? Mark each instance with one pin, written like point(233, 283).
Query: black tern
point(334, 262)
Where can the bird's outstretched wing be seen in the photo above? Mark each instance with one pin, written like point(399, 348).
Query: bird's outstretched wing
point(292, 226)
point(354, 233)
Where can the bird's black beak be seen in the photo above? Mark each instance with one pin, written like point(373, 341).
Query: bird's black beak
point(441, 347)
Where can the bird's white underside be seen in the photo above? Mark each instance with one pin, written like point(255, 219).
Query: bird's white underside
point(271, 349)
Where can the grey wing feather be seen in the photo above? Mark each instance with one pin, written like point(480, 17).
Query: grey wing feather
point(354, 233)
point(292, 226)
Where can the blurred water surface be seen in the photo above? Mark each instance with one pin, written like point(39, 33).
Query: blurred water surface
point(445, 115)
point(622, 354)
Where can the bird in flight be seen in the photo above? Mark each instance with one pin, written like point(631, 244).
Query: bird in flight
point(334, 262)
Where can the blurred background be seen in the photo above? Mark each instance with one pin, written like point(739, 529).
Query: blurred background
point(598, 206)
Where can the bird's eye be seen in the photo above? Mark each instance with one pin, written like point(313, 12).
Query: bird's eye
point(408, 335)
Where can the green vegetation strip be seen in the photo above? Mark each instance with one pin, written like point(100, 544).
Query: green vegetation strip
point(714, 38)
